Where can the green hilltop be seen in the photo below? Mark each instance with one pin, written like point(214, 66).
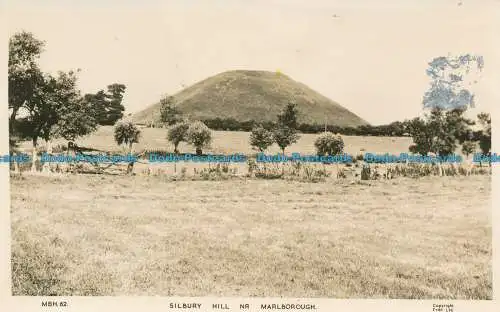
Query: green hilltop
point(253, 95)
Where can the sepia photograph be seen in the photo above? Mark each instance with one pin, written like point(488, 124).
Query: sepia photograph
point(255, 149)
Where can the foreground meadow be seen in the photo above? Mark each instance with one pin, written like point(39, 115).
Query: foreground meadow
point(143, 235)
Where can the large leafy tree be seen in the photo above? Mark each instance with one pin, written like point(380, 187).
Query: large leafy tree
point(43, 105)
point(439, 132)
point(24, 75)
point(55, 109)
point(107, 105)
point(448, 97)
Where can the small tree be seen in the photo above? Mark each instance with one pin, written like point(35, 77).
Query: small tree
point(177, 134)
point(199, 135)
point(284, 137)
point(169, 113)
point(285, 133)
point(127, 133)
point(288, 116)
point(329, 144)
point(468, 147)
point(261, 138)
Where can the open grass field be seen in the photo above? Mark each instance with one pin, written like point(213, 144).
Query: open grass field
point(226, 142)
point(136, 235)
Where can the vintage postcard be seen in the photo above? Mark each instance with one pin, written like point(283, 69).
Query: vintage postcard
point(278, 155)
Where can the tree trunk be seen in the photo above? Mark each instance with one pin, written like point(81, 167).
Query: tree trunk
point(16, 163)
point(199, 151)
point(130, 167)
point(47, 165)
point(34, 156)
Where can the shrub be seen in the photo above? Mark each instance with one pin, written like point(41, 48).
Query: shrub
point(261, 138)
point(177, 134)
point(126, 133)
point(329, 144)
point(199, 135)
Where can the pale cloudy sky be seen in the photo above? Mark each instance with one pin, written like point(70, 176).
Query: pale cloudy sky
point(371, 58)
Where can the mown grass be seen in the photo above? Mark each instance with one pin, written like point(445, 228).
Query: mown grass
point(143, 235)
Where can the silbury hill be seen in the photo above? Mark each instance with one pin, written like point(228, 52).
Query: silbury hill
point(245, 95)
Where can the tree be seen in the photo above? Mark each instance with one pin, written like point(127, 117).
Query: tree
point(108, 108)
point(422, 137)
point(127, 133)
point(285, 133)
point(284, 136)
point(52, 99)
point(178, 133)
point(75, 121)
point(24, 75)
point(439, 131)
point(329, 144)
point(261, 138)
point(468, 147)
point(485, 133)
point(169, 113)
point(449, 88)
point(115, 107)
point(24, 78)
point(288, 117)
point(199, 135)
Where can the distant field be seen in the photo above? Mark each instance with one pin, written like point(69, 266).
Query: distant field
point(238, 142)
point(133, 235)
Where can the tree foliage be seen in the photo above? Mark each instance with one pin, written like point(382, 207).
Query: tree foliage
point(261, 138)
point(199, 135)
point(107, 105)
point(484, 135)
point(126, 133)
point(285, 132)
point(288, 117)
point(439, 132)
point(329, 144)
point(468, 147)
point(24, 74)
point(284, 137)
point(169, 113)
point(177, 134)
